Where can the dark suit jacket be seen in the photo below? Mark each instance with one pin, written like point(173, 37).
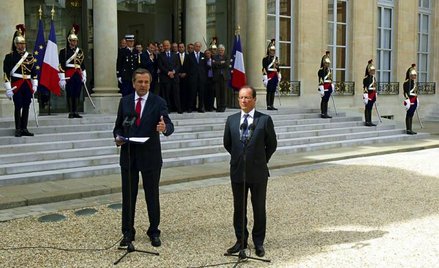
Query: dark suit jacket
point(166, 66)
point(185, 68)
point(127, 63)
point(220, 70)
point(148, 156)
point(197, 70)
point(148, 64)
point(261, 147)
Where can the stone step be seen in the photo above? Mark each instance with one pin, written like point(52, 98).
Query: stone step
point(57, 145)
point(57, 154)
point(183, 151)
point(79, 172)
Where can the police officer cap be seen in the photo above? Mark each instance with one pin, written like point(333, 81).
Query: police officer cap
point(129, 37)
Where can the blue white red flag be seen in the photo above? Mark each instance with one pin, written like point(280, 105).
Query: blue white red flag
point(49, 72)
point(238, 78)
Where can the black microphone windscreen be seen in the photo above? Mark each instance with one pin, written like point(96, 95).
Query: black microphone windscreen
point(243, 126)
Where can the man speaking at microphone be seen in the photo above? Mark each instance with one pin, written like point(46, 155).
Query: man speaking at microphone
point(256, 130)
point(148, 114)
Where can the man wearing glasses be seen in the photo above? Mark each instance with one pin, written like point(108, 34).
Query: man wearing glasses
point(253, 131)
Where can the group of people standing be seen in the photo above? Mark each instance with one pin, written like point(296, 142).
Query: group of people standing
point(187, 78)
point(326, 88)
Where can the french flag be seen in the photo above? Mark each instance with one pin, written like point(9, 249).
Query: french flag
point(49, 71)
point(238, 79)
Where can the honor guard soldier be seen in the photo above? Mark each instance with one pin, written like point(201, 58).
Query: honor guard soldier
point(411, 95)
point(20, 80)
point(271, 74)
point(72, 71)
point(325, 84)
point(369, 93)
point(127, 61)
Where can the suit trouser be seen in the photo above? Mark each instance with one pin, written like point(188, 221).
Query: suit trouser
point(209, 94)
point(171, 93)
point(220, 94)
point(258, 198)
point(197, 88)
point(150, 180)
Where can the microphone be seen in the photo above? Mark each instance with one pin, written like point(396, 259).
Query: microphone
point(251, 129)
point(242, 129)
point(130, 119)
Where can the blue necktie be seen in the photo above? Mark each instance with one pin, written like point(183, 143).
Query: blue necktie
point(245, 130)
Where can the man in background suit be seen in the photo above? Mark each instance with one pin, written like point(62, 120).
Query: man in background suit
point(198, 76)
point(184, 77)
point(152, 119)
point(221, 75)
point(258, 129)
point(148, 60)
point(169, 66)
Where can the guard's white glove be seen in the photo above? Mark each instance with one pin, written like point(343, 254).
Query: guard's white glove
point(119, 79)
point(62, 80)
point(34, 85)
point(279, 76)
point(417, 101)
point(84, 76)
point(365, 98)
point(321, 90)
point(406, 104)
point(265, 79)
point(9, 92)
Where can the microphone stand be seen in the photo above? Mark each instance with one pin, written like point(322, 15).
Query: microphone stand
point(130, 247)
point(242, 256)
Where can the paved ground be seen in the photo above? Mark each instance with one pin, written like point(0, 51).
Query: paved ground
point(378, 211)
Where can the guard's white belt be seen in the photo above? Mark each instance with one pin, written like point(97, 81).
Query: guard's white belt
point(22, 76)
point(73, 66)
point(327, 81)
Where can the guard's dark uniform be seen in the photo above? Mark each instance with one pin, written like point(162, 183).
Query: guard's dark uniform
point(128, 61)
point(71, 62)
point(20, 79)
point(270, 71)
point(369, 93)
point(325, 84)
point(411, 95)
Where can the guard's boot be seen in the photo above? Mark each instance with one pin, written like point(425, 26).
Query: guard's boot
point(24, 120)
point(408, 124)
point(325, 110)
point(267, 100)
point(272, 95)
point(17, 118)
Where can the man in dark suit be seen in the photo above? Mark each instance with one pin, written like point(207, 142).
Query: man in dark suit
point(198, 76)
point(184, 77)
point(221, 75)
point(151, 120)
point(257, 129)
point(148, 60)
point(169, 66)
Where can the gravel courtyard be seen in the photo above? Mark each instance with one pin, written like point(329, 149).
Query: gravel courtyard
point(380, 211)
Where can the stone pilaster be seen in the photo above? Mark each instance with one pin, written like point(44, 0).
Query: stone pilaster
point(105, 44)
point(196, 22)
point(255, 47)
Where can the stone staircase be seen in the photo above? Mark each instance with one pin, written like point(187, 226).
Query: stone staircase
point(75, 148)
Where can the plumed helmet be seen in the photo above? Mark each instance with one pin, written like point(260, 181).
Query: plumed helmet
point(213, 43)
point(369, 67)
point(325, 59)
point(18, 37)
point(411, 71)
point(73, 35)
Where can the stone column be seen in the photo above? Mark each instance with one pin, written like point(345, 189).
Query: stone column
point(11, 14)
point(364, 40)
point(196, 22)
point(311, 46)
point(255, 47)
point(105, 97)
